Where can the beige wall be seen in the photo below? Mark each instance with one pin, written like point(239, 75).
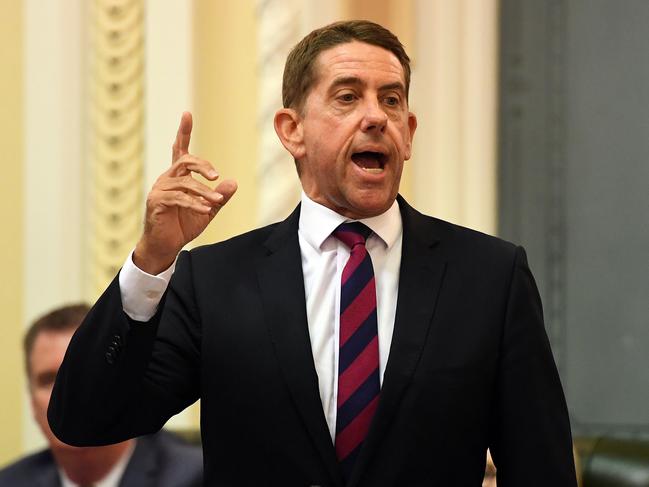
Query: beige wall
point(11, 236)
point(225, 97)
point(454, 95)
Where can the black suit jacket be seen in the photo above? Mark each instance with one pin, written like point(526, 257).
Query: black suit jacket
point(469, 367)
point(159, 460)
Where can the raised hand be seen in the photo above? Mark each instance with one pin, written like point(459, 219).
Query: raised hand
point(179, 207)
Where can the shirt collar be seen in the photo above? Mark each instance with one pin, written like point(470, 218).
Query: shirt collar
point(317, 223)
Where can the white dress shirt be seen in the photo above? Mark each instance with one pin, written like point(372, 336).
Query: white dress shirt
point(323, 260)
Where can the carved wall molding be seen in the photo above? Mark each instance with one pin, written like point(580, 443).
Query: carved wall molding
point(279, 28)
point(115, 146)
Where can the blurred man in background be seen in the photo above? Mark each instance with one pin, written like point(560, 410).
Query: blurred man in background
point(158, 460)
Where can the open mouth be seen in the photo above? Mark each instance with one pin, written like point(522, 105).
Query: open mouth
point(369, 161)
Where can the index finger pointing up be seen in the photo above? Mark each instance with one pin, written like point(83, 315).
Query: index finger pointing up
point(181, 144)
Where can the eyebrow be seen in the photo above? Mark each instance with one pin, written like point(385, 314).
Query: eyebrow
point(397, 85)
point(354, 80)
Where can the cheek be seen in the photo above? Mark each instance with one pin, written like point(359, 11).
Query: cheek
point(40, 400)
point(329, 136)
point(404, 143)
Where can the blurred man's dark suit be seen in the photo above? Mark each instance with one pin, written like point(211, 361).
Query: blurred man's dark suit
point(159, 460)
point(470, 366)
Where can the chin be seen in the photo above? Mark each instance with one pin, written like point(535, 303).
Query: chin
point(373, 205)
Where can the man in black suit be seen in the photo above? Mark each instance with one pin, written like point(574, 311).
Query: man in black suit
point(155, 460)
point(448, 351)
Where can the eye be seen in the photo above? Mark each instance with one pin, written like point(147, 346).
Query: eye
point(347, 97)
point(392, 101)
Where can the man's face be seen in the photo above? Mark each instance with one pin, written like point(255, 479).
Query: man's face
point(356, 130)
point(45, 359)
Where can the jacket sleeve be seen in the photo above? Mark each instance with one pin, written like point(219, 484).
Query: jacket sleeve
point(121, 378)
point(530, 440)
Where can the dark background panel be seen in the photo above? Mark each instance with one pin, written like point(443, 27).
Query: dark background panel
point(574, 189)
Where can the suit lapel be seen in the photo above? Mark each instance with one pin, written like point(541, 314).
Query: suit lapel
point(420, 278)
point(282, 289)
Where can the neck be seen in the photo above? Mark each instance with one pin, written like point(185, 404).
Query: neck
point(90, 464)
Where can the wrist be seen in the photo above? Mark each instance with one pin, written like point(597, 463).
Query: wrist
point(152, 262)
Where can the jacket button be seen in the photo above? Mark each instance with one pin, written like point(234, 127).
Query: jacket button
point(110, 358)
point(118, 339)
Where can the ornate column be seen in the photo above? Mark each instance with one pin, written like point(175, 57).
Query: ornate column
point(279, 28)
point(115, 137)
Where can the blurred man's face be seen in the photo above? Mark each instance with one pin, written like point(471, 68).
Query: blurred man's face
point(90, 463)
point(45, 359)
point(356, 130)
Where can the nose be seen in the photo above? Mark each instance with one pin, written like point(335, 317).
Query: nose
point(374, 118)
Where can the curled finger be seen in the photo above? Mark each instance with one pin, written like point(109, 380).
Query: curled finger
point(183, 200)
point(189, 163)
point(188, 184)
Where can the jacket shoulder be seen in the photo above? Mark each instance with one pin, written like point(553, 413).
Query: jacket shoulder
point(477, 241)
point(174, 462)
point(175, 448)
point(456, 239)
point(27, 471)
point(242, 243)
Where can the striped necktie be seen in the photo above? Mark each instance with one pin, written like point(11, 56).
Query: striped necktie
point(358, 358)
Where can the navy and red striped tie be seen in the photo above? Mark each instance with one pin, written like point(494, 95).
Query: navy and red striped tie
point(358, 359)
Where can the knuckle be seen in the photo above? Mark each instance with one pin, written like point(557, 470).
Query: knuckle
point(151, 200)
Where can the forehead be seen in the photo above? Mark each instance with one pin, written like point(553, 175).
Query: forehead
point(361, 60)
point(49, 349)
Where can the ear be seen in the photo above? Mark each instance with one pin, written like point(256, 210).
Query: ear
point(412, 126)
point(289, 129)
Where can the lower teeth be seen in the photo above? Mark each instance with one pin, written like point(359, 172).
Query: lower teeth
point(373, 170)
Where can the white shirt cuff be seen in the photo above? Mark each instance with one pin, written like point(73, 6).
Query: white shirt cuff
point(141, 292)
